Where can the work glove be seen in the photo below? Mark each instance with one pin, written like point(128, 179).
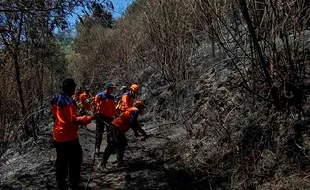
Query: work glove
point(90, 113)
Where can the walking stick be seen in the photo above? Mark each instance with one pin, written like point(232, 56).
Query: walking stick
point(93, 162)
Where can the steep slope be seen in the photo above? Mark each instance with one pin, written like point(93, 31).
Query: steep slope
point(211, 134)
point(234, 138)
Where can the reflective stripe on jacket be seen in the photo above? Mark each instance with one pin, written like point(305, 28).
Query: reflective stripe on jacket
point(105, 104)
point(123, 122)
point(66, 124)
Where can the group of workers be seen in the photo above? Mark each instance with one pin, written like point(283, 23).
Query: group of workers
point(115, 114)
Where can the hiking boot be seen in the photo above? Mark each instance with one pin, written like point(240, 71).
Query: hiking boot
point(128, 176)
point(102, 167)
point(97, 151)
point(120, 164)
point(73, 188)
point(103, 162)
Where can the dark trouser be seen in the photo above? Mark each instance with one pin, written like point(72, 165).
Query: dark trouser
point(100, 125)
point(69, 155)
point(116, 140)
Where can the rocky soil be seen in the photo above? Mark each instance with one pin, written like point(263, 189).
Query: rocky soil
point(150, 163)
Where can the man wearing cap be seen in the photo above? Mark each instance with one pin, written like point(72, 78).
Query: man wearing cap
point(127, 99)
point(86, 100)
point(117, 139)
point(65, 135)
point(105, 109)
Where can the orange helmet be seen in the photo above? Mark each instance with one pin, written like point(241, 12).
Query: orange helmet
point(139, 103)
point(134, 87)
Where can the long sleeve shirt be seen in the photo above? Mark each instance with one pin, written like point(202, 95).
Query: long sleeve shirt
point(66, 124)
point(127, 120)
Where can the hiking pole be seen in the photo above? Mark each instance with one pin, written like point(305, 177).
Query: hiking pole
point(106, 123)
point(93, 162)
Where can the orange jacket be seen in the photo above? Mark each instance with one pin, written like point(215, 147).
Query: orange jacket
point(82, 99)
point(105, 104)
point(123, 122)
point(126, 101)
point(67, 122)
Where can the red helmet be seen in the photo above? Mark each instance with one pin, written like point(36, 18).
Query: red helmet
point(134, 87)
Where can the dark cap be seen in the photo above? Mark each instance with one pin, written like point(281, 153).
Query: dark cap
point(109, 85)
point(86, 87)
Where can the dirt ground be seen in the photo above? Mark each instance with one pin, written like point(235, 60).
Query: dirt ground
point(149, 164)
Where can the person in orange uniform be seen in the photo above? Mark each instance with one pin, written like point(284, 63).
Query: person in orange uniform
point(122, 91)
point(77, 94)
point(65, 135)
point(105, 109)
point(127, 99)
point(117, 139)
point(86, 100)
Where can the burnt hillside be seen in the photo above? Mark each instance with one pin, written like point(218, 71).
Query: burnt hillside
point(226, 85)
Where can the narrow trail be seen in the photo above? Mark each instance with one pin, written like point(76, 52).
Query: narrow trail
point(151, 164)
point(145, 161)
